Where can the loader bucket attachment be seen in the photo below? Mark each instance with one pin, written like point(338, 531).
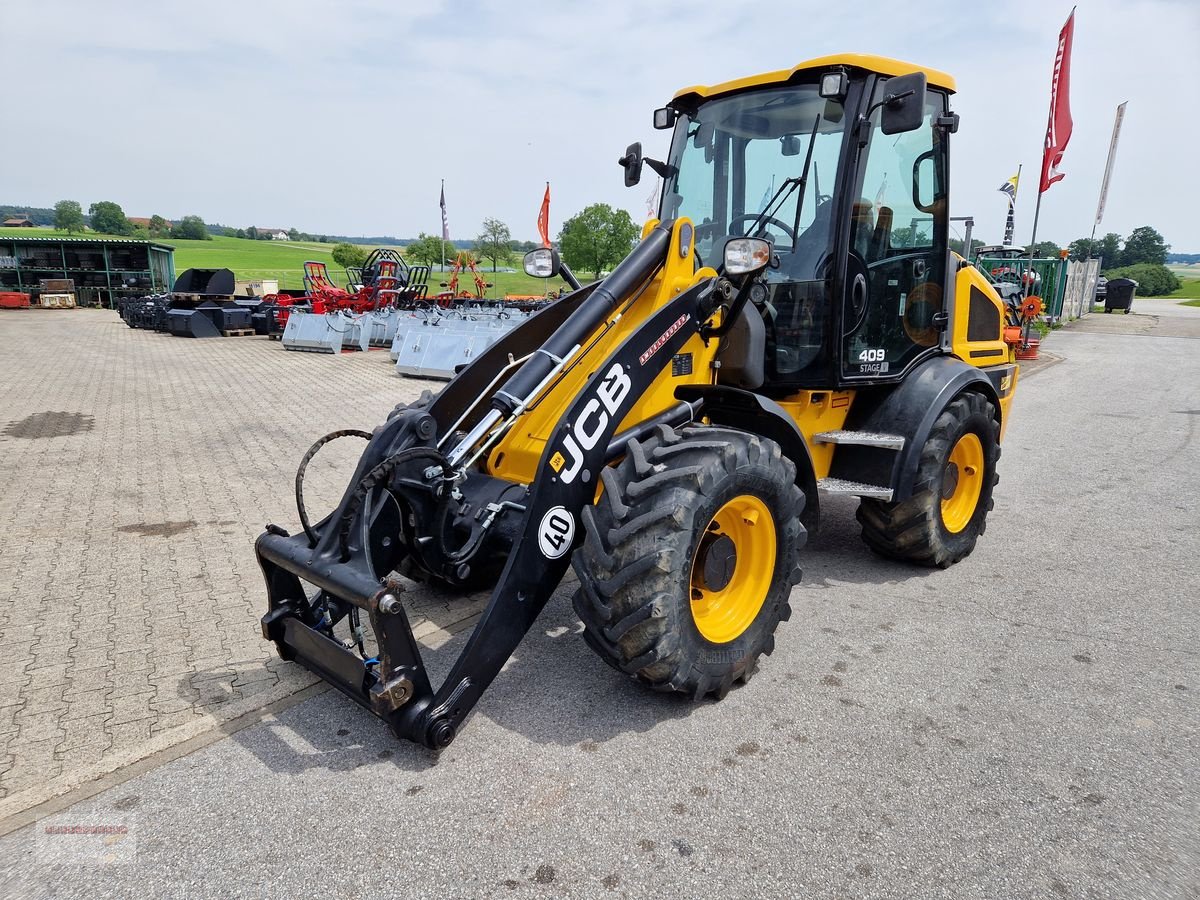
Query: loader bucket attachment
point(318, 332)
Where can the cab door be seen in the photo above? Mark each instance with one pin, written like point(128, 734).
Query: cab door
point(896, 260)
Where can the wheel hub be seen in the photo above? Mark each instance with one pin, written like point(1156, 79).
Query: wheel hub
point(949, 480)
point(717, 560)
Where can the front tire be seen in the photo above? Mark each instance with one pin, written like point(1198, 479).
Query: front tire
point(689, 558)
point(940, 522)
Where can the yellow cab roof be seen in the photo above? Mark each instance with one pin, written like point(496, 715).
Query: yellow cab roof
point(881, 64)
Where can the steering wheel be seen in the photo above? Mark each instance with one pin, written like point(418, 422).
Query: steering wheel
point(765, 220)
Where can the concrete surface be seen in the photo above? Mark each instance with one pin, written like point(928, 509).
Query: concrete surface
point(138, 469)
point(1023, 724)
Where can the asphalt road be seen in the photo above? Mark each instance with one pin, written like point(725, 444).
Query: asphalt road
point(1023, 724)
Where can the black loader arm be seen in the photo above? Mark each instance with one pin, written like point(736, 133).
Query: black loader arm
point(349, 562)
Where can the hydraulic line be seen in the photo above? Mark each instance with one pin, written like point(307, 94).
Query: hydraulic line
point(307, 458)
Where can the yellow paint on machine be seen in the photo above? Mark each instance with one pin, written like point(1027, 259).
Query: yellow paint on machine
point(880, 64)
point(516, 457)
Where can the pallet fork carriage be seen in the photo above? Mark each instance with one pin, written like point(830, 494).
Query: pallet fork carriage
point(668, 431)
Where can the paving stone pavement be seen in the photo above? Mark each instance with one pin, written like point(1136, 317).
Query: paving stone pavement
point(137, 469)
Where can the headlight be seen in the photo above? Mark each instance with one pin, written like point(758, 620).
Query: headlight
point(746, 255)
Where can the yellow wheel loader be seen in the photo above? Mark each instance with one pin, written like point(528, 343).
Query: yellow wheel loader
point(792, 323)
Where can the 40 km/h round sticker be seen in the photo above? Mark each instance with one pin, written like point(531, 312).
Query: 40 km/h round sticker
point(556, 533)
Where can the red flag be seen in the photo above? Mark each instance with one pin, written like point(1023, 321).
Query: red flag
point(1058, 129)
point(544, 218)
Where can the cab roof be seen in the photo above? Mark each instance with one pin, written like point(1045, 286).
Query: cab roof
point(880, 64)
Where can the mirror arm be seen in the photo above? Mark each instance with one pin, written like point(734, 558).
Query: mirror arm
point(565, 273)
point(664, 170)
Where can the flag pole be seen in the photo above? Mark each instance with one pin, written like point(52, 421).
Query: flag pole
point(443, 241)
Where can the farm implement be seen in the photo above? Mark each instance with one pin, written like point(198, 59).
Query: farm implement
point(336, 319)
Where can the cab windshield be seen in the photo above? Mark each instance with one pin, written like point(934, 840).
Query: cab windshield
point(731, 160)
point(731, 157)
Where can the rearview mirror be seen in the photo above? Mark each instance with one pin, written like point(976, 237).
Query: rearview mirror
point(632, 163)
point(790, 145)
point(542, 262)
point(903, 104)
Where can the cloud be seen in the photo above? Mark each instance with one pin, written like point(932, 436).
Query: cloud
point(344, 116)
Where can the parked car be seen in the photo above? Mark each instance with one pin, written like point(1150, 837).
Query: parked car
point(1101, 289)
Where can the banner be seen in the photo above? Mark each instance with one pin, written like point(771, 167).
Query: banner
point(1058, 129)
point(445, 220)
point(1009, 188)
point(1112, 155)
point(544, 218)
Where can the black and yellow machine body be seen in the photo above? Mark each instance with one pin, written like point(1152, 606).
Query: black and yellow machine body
point(792, 323)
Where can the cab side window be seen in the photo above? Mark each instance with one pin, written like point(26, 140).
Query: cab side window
point(896, 261)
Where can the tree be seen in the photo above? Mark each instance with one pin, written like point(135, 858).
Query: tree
point(597, 238)
point(1083, 248)
point(957, 246)
point(68, 216)
point(252, 233)
point(108, 218)
point(1046, 250)
point(1144, 245)
point(494, 242)
point(1110, 250)
point(159, 227)
point(431, 250)
point(240, 233)
point(349, 255)
point(191, 228)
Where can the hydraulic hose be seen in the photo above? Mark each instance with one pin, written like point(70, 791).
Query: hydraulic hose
point(305, 460)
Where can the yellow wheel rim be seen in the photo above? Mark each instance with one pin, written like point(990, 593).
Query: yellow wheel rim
point(962, 482)
point(733, 569)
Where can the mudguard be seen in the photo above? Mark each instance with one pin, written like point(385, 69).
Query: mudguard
point(760, 415)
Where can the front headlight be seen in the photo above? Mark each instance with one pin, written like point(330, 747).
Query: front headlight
point(744, 255)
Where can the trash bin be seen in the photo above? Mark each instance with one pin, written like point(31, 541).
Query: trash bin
point(1119, 294)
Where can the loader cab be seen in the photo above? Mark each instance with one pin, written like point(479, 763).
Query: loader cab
point(850, 185)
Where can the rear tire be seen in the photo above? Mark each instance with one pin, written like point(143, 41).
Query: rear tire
point(939, 524)
point(697, 532)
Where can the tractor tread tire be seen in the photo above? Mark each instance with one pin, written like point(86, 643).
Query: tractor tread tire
point(911, 530)
point(634, 564)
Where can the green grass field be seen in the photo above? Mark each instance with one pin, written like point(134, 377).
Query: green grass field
point(1189, 289)
point(284, 260)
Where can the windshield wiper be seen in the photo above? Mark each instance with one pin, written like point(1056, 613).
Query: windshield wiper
point(789, 184)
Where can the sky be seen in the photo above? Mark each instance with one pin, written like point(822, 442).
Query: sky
point(344, 117)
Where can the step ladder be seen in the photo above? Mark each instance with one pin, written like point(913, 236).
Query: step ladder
point(860, 439)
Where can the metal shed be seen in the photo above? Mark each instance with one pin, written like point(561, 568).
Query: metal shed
point(104, 269)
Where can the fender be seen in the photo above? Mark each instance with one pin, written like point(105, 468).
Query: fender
point(760, 415)
point(909, 409)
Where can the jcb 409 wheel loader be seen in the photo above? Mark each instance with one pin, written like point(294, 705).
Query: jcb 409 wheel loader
point(792, 322)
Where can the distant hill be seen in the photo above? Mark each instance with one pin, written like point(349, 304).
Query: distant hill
point(1183, 259)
